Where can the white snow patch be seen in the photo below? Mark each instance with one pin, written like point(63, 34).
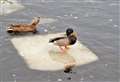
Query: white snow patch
point(44, 20)
point(14, 75)
point(59, 80)
point(115, 25)
point(110, 20)
point(86, 15)
point(7, 8)
point(45, 30)
point(39, 54)
point(71, 14)
point(65, 15)
point(75, 17)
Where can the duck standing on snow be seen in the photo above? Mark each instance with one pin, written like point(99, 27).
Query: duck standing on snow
point(64, 41)
point(14, 28)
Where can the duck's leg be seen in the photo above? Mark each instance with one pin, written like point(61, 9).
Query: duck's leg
point(35, 31)
point(66, 47)
point(63, 50)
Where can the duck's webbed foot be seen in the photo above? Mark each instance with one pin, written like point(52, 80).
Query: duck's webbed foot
point(62, 49)
point(35, 31)
point(66, 47)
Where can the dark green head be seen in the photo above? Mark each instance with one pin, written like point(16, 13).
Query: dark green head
point(69, 31)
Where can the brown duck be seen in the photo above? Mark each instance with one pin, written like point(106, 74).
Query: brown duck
point(13, 28)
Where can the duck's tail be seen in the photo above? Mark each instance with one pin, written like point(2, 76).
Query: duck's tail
point(51, 40)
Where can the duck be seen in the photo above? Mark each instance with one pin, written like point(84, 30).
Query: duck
point(14, 28)
point(63, 42)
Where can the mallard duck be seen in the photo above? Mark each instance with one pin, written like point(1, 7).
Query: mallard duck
point(64, 41)
point(24, 27)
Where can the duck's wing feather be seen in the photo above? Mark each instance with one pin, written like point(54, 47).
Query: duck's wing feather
point(62, 42)
point(55, 39)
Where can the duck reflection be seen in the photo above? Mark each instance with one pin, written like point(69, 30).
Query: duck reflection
point(64, 58)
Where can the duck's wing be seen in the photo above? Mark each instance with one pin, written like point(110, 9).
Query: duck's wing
point(56, 39)
point(62, 42)
point(15, 25)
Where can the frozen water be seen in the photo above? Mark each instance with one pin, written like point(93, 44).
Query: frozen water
point(115, 25)
point(45, 30)
point(65, 15)
point(59, 16)
point(110, 20)
point(59, 80)
point(75, 17)
point(41, 55)
point(7, 8)
point(71, 14)
point(44, 20)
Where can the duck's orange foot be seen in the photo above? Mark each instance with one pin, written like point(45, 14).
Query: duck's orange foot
point(63, 50)
point(66, 47)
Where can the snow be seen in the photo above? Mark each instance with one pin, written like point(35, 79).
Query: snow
point(39, 54)
point(45, 30)
point(8, 8)
point(59, 80)
point(110, 20)
point(75, 17)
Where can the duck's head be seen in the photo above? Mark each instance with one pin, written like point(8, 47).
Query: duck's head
point(9, 30)
point(71, 35)
point(35, 21)
point(69, 31)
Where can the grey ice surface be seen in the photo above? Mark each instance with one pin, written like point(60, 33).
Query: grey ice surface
point(97, 25)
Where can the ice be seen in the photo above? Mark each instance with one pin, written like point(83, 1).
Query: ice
point(59, 80)
point(14, 75)
point(115, 25)
point(86, 15)
point(7, 8)
point(110, 20)
point(65, 15)
point(45, 20)
point(39, 54)
point(45, 30)
point(71, 14)
point(58, 16)
point(75, 17)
